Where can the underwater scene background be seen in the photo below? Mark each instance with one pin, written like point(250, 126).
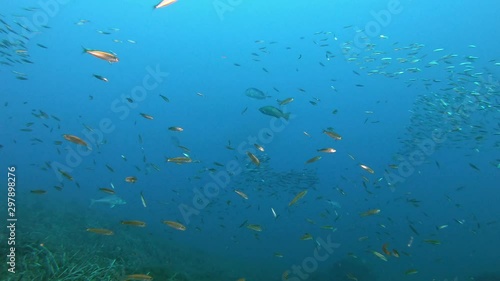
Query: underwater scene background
point(250, 140)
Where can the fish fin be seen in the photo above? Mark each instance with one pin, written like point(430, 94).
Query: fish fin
point(112, 206)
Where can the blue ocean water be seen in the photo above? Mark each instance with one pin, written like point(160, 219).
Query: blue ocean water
point(405, 92)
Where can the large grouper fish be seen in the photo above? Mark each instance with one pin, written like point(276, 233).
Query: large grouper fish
point(255, 93)
point(273, 111)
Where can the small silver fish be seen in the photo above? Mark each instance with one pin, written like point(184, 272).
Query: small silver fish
point(111, 200)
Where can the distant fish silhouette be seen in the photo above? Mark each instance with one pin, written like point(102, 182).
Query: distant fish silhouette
point(335, 204)
point(111, 200)
point(255, 93)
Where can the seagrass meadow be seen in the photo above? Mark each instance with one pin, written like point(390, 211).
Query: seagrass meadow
point(249, 140)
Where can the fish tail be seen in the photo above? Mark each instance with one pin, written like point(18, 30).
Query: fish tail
point(85, 50)
point(92, 201)
point(286, 116)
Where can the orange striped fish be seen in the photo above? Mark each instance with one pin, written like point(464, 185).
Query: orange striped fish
point(75, 139)
point(175, 225)
point(101, 231)
point(109, 57)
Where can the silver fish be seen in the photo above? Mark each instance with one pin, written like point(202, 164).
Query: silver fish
point(111, 200)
